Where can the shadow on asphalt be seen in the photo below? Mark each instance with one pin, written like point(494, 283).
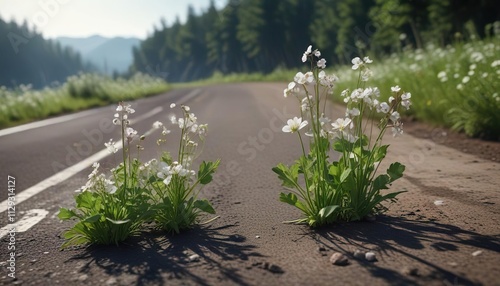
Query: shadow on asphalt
point(154, 256)
point(399, 235)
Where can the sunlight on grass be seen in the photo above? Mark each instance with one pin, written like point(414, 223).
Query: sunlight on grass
point(82, 91)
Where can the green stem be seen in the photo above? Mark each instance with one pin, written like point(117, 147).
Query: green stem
point(124, 154)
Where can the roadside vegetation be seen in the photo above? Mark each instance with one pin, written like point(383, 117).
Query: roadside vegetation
point(24, 104)
point(457, 86)
point(110, 207)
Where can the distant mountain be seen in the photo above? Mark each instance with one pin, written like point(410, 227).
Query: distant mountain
point(106, 54)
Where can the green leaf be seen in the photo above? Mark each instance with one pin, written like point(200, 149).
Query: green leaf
point(334, 169)
point(289, 198)
point(380, 182)
point(65, 214)
point(205, 206)
point(395, 171)
point(327, 211)
point(380, 153)
point(344, 175)
point(363, 140)
point(206, 171)
point(392, 195)
point(288, 176)
point(93, 218)
point(342, 145)
point(85, 200)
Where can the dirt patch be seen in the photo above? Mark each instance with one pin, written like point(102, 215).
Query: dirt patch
point(489, 150)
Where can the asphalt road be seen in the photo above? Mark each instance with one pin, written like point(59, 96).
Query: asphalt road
point(248, 244)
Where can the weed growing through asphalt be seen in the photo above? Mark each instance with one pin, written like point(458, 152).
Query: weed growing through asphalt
point(347, 189)
point(111, 208)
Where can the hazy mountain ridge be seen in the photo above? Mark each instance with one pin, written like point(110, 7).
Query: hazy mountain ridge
point(106, 54)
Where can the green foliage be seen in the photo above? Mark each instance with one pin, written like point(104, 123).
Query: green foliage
point(28, 58)
point(79, 92)
point(104, 217)
point(455, 87)
point(163, 191)
point(174, 204)
point(258, 36)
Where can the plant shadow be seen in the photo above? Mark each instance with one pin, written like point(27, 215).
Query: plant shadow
point(400, 236)
point(155, 257)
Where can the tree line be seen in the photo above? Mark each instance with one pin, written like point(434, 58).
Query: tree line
point(27, 58)
point(262, 35)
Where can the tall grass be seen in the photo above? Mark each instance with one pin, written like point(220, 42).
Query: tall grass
point(82, 91)
point(457, 86)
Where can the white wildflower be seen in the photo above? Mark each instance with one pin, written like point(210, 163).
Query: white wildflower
point(306, 54)
point(294, 125)
point(111, 146)
point(157, 125)
point(395, 116)
point(289, 89)
point(321, 63)
point(395, 89)
point(397, 129)
point(356, 63)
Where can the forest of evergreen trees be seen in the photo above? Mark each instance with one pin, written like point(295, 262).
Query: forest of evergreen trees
point(262, 35)
point(27, 58)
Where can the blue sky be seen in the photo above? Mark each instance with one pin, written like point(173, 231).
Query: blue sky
point(81, 18)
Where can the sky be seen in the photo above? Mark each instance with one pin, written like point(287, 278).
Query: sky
point(109, 18)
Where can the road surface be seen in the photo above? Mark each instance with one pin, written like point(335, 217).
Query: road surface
point(443, 231)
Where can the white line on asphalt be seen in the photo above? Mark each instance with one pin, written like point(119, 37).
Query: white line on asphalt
point(147, 115)
point(46, 122)
point(190, 95)
point(31, 218)
point(57, 178)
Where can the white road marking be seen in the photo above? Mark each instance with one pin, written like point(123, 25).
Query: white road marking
point(147, 115)
point(31, 218)
point(46, 122)
point(190, 95)
point(57, 178)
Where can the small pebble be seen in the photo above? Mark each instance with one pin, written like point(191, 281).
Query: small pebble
point(339, 259)
point(83, 277)
point(273, 268)
point(194, 258)
point(257, 236)
point(439, 202)
point(370, 256)
point(358, 254)
point(46, 252)
point(411, 271)
point(477, 253)
point(111, 281)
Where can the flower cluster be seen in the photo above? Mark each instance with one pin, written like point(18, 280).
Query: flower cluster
point(167, 171)
point(161, 190)
point(98, 181)
point(346, 189)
